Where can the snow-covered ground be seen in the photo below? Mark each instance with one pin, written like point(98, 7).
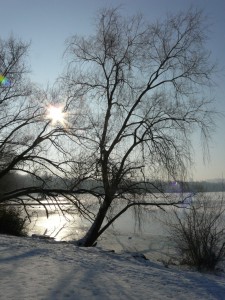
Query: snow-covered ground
point(41, 269)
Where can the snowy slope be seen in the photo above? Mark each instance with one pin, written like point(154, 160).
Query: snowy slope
point(40, 269)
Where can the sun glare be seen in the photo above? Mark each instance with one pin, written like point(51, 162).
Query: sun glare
point(56, 114)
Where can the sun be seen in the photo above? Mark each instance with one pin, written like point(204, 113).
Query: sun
point(56, 114)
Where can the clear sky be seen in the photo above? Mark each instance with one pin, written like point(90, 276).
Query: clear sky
point(48, 23)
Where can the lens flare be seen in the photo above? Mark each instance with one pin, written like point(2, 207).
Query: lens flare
point(4, 81)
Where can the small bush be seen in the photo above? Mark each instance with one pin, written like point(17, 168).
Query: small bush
point(199, 233)
point(12, 222)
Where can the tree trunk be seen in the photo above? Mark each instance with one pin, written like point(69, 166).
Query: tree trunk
point(93, 233)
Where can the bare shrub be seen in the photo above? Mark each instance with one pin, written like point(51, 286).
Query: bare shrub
point(199, 233)
point(12, 222)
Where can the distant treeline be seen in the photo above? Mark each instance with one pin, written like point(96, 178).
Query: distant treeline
point(205, 186)
point(14, 181)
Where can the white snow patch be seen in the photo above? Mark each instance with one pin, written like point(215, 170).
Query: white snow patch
point(45, 269)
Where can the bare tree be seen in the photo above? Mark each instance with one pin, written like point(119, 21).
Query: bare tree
point(29, 143)
point(143, 92)
point(142, 88)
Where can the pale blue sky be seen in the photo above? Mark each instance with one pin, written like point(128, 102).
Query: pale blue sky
point(48, 23)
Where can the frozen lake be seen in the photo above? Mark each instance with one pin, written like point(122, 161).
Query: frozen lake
point(150, 238)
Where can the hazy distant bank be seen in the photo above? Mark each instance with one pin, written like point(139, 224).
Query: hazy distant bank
point(14, 181)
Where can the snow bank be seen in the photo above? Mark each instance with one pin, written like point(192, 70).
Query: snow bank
point(45, 269)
